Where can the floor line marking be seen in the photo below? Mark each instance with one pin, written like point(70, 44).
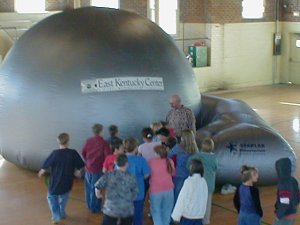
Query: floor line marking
point(233, 211)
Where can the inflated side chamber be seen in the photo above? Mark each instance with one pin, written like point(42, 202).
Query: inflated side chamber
point(241, 137)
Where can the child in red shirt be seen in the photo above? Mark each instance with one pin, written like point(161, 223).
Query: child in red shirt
point(118, 149)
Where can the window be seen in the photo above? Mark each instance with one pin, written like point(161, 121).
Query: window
point(35, 6)
point(106, 3)
point(253, 9)
point(298, 43)
point(164, 13)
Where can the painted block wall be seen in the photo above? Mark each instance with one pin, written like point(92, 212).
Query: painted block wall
point(241, 56)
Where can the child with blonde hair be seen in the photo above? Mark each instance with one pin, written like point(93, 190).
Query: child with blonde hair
point(155, 126)
point(246, 199)
point(183, 151)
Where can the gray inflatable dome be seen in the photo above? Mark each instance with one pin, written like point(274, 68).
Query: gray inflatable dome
point(85, 66)
point(98, 65)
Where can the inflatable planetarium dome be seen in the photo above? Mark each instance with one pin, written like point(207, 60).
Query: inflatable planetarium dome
point(86, 66)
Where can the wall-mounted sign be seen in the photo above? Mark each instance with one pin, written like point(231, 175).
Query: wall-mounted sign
point(122, 84)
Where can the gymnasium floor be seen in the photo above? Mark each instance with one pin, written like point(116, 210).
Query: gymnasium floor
point(23, 194)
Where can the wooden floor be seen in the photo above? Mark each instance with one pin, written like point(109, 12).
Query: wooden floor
point(23, 195)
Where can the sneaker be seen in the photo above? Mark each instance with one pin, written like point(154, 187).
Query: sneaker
point(55, 221)
point(231, 188)
point(228, 189)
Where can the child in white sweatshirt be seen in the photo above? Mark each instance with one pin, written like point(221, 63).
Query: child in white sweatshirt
point(191, 203)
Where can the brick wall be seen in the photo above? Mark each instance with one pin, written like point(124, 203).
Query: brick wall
point(56, 5)
point(220, 11)
point(138, 6)
point(270, 10)
point(192, 11)
point(7, 6)
point(85, 3)
point(228, 11)
point(287, 12)
point(207, 11)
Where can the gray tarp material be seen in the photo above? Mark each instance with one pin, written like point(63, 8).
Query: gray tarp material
point(41, 78)
point(241, 137)
point(50, 83)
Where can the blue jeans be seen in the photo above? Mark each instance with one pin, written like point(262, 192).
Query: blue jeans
point(284, 221)
point(57, 205)
point(185, 221)
point(93, 203)
point(138, 212)
point(248, 219)
point(161, 207)
point(178, 183)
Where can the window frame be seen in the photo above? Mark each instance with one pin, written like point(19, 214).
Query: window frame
point(16, 3)
point(296, 44)
point(156, 15)
point(105, 6)
point(253, 18)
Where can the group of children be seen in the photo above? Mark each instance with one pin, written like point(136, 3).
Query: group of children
point(179, 178)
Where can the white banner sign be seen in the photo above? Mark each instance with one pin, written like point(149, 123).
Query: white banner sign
point(122, 84)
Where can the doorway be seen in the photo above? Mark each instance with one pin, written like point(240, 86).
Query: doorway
point(294, 59)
